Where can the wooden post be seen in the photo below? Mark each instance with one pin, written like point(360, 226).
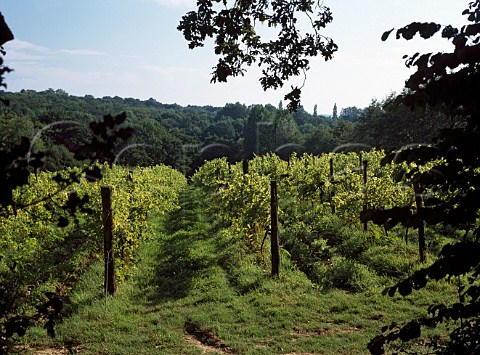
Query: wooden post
point(108, 254)
point(274, 229)
point(245, 166)
point(365, 180)
point(421, 226)
point(332, 192)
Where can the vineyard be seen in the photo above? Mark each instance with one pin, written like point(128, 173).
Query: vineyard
point(177, 230)
point(320, 198)
point(310, 186)
point(47, 248)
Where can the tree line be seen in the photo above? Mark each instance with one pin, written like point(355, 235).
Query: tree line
point(184, 137)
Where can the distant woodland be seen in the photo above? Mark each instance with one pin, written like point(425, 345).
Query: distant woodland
point(184, 137)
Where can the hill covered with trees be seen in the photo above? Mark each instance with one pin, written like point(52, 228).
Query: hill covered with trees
point(184, 137)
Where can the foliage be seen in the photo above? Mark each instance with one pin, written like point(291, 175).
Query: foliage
point(334, 112)
point(447, 80)
point(445, 174)
point(164, 134)
point(235, 28)
point(32, 210)
point(38, 226)
point(351, 113)
point(18, 161)
point(5, 36)
point(306, 192)
point(388, 125)
point(182, 137)
point(350, 275)
point(30, 236)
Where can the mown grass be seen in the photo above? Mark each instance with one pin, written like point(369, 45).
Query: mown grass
point(194, 284)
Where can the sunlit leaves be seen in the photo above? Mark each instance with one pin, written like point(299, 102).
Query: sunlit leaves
point(45, 223)
point(152, 190)
point(17, 163)
point(243, 200)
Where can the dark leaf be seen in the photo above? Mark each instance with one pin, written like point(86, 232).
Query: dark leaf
point(419, 281)
point(449, 32)
point(5, 33)
point(62, 222)
point(410, 331)
point(405, 287)
point(386, 34)
point(237, 44)
point(375, 345)
point(50, 327)
point(294, 99)
point(93, 173)
point(392, 290)
point(426, 30)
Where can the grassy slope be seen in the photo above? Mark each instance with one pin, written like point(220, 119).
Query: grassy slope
point(196, 292)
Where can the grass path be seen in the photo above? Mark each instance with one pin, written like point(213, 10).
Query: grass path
point(196, 292)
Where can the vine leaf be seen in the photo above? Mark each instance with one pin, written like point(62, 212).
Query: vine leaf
point(5, 32)
point(426, 30)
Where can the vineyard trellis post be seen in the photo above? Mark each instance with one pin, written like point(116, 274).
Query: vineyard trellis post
point(421, 225)
point(332, 191)
point(365, 180)
point(245, 166)
point(108, 251)
point(274, 244)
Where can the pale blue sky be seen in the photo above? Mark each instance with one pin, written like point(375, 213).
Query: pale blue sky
point(131, 48)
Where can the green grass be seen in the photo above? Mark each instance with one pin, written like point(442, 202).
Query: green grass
point(195, 285)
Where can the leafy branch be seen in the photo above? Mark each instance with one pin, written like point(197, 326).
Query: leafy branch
point(238, 44)
point(450, 81)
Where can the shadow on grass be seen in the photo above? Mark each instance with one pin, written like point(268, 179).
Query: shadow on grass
point(175, 267)
point(181, 253)
point(189, 258)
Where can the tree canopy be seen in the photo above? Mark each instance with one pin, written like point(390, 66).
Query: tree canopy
point(5, 36)
point(235, 27)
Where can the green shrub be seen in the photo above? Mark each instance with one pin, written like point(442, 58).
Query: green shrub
point(320, 275)
point(393, 260)
point(333, 230)
point(356, 243)
point(350, 275)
